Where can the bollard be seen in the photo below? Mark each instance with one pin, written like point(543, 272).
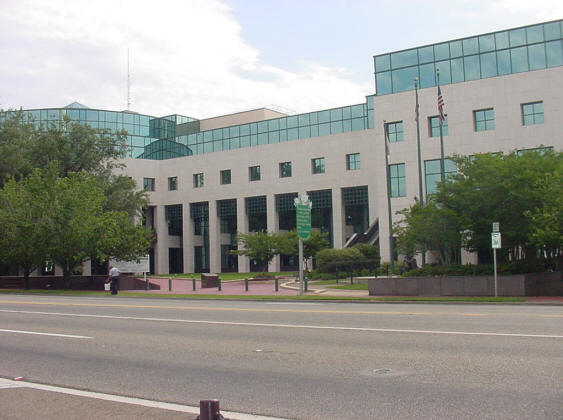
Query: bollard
point(209, 410)
point(246, 284)
point(169, 285)
point(276, 284)
point(193, 284)
point(306, 284)
point(218, 283)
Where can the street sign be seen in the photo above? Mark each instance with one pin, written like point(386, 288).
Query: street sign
point(496, 227)
point(303, 216)
point(495, 240)
point(136, 266)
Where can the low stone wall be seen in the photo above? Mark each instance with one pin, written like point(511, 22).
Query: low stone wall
point(76, 283)
point(534, 284)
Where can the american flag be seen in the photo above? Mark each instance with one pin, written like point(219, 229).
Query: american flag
point(441, 106)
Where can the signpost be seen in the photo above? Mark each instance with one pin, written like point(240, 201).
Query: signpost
point(141, 265)
point(495, 244)
point(303, 219)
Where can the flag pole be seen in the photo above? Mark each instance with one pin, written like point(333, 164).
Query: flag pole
point(388, 172)
point(441, 118)
point(417, 118)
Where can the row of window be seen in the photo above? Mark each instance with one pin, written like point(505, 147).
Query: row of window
point(254, 173)
point(483, 120)
point(432, 173)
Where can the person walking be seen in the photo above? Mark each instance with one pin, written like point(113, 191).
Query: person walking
point(113, 276)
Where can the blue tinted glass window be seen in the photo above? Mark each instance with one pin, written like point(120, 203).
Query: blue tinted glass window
point(470, 46)
point(111, 116)
point(357, 111)
point(245, 130)
point(323, 116)
point(283, 123)
point(519, 59)
point(536, 54)
point(441, 51)
point(488, 65)
point(425, 55)
point(208, 147)
point(486, 43)
point(263, 138)
point(292, 121)
point(503, 62)
point(445, 72)
point(382, 62)
point(293, 134)
point(532, 113)
point(398, 180)
point(471, 67)
point(234, 131)
point(336, 114)
point(552, 31)
point(217, 146)
point(283, 135)
point(484, 119)
point(304, 132)
point(74, 114)
point(404, 58)
point(91, 115)
point(383, 82)
point(262, 126)
point(274, 137)
point(217, 134)
point(324, 129)
point(314, 131)
point(457, 70)
point(346, 126)
point(303, 120)
point(346, 112)
point(434, 127)
point(427, 75)
point(534, 34)
point(517, 37)
point(456, 49)
point(554, 53)
point(336, 127)
point(502, 40)
point(394, 131)
point(207, 135)
point(403, 79)
point(273, 125)
point(358, 124)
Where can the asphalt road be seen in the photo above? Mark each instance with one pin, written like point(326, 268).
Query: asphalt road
point(296, 360)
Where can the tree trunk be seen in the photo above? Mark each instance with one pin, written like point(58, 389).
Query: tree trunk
point(66, 277)
point(26, 273)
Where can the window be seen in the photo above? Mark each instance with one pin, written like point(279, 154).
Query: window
point(285, 169)
point(433, 175)
point(484, 119)
point(353, 161)
point(398, 180)
point(532, 113)
point(225, 177)
point(148, 184)
point(434, 126)
point(173, 183)
point(318, 165)
point(254, 173)
point(394, 131)
point(198, 180)
point(540, 150)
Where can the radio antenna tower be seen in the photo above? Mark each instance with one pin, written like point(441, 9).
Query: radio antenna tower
point(128, 83)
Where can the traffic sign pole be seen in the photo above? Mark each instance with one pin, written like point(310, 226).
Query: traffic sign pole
point(303, 219)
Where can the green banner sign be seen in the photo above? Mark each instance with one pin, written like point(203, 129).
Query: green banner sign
point(303, 214)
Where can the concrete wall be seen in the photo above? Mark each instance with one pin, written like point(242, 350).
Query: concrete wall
point(535, 284)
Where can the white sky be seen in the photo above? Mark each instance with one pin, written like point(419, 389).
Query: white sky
point(205, 58)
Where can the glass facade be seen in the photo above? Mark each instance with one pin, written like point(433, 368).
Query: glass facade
point(432, 173)
point(398, 180)
point(484, 119)
point(353, 162)
point(254, 173)
point(394, 131)
point(318, 165)
point(479, 57)
point(532, 113)
point(434, 126)
point(285, 169)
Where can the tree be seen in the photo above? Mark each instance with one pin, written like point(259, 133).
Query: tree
point(289, 244)
point(262, 247)
point(428, 227)
point(80, 228)
point(24, 215)
point(14, 143)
